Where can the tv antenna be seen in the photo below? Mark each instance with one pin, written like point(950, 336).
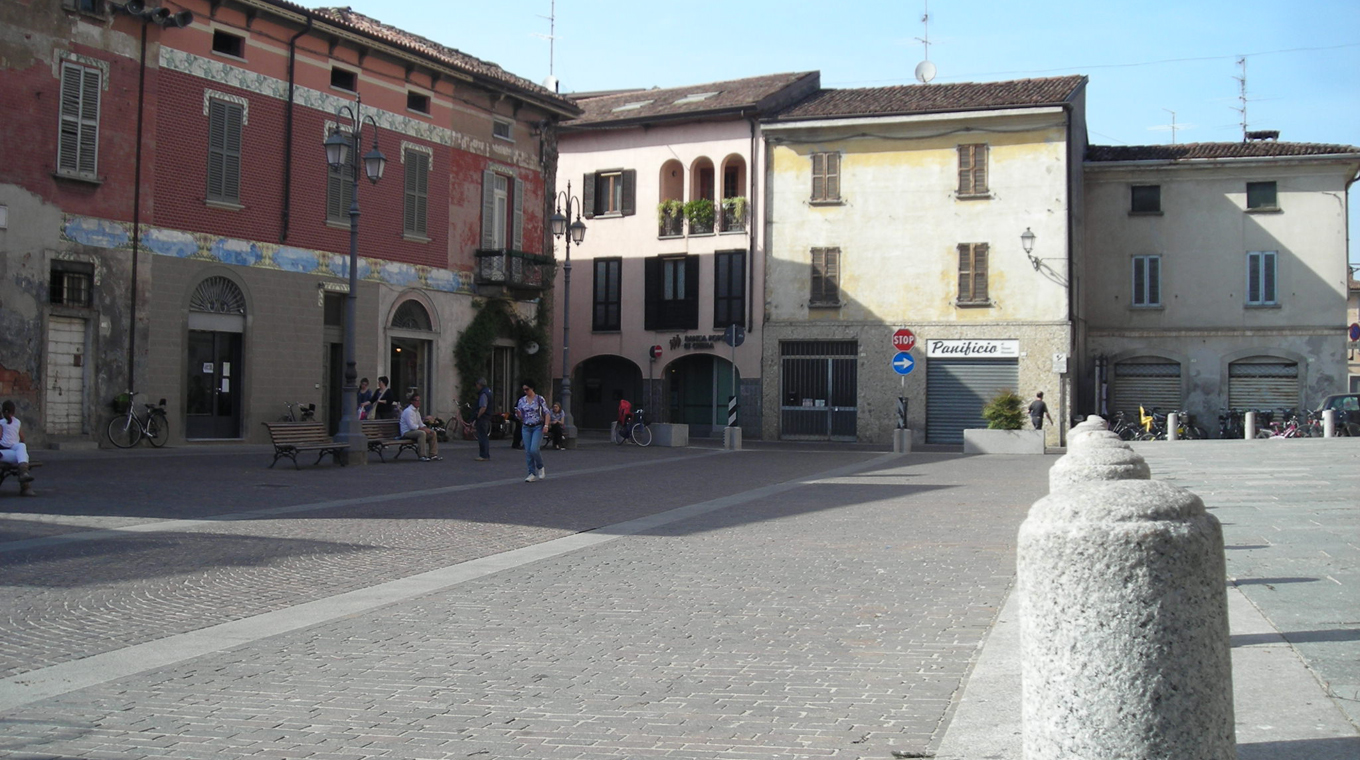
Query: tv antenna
point(551, 37)
point(1242, 95)
point(925, 70)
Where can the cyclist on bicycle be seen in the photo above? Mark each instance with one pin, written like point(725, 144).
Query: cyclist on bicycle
point(625, 417)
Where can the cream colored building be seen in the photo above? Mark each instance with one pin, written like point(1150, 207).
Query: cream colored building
point(908, 207)
point(1218, 275)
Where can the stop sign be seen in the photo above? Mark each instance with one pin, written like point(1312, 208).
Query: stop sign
point(903, 340)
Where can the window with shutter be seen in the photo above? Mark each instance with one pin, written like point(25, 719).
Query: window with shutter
point(973, 274)
point(826, 289)
point(416, 206)
point(224, 151)
point(607, 295)
point(1147, 281)
point(340, 190)
point(672, 288)
point(78, 135)
point(973, 170)
point(729, 288)
point(1261, 278)
point(826, 177)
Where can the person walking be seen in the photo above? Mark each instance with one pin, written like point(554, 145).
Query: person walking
point(384, 400)
point(1038, 410)
point(13, 450)
point(531, 410)
point(483, 421)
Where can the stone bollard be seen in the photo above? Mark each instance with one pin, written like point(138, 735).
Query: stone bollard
point(1249, 426)
point(1329, 423)
point(1096, 462)
point(1173, 426)
point(1124, 626)
point(732, 438)
point(902, 441)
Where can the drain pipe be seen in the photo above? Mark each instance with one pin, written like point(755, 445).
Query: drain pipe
point(286, 220)
point(137, 214)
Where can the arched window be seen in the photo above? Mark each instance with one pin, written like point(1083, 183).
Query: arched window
point(218, 295)
point(410, 315)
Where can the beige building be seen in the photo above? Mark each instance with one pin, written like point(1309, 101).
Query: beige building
point(951, 210)
point(1218, 275)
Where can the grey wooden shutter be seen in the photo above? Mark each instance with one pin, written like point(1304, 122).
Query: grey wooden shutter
point(518, 224)
point(78, 139)
point(833, 176)
point(224, 151)
point(629, 192)
point(488, 209)
point(652, 309)
point(818, 275)
point(831, 285)
point(818, 176)
point(980, 168)
point(965, 272)
point(587, 196)
point(691, 292)
point(980, 272)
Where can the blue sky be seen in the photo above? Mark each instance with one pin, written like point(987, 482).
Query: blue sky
point(1303, 58)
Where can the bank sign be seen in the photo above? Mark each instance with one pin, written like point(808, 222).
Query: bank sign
point(973, 349)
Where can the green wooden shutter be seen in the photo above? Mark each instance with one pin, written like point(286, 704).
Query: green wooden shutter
point(488, 209)
point(652, 309)
point(518, 224)
point(629, 192)
point(691, 292)
point(78, 138)
point(587, 196)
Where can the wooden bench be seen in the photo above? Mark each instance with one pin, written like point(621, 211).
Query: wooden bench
point(293, 438)
point(384, 433)
point(7, 469)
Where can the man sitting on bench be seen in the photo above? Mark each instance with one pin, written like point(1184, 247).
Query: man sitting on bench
point(417, 428)
point(12, 448)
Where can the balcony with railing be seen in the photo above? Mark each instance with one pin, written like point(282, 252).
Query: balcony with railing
point(734, 214)
point(515, 271)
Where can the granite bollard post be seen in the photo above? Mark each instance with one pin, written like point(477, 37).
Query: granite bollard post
point(1124, 626)
point(1249, 426)
point(1173, 426)
point(1329, 423)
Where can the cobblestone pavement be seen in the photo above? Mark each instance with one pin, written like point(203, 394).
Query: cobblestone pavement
point(775, 602)
point(1291, 514)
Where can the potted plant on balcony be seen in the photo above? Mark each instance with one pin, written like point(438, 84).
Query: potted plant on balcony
point(699, 213)
point(734, 213)
point(668, 215)
point(1005, 415)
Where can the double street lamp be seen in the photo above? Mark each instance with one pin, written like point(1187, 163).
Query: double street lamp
point(575, 232)
point(342, 151)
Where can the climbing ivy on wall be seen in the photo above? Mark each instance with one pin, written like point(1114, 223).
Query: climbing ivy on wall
point(496, 320)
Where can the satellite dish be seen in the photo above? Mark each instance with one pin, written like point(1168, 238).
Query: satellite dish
point(925, 71)
point(531, 348)
point(551, 83)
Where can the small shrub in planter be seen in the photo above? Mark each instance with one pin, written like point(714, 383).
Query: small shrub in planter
point(1006, 411)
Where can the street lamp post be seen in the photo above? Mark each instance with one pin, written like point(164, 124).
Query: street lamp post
point(575, 233)
point(342, 150)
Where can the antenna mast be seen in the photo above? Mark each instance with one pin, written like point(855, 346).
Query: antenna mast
point(1242, 95)
point(551, 36)
point(1173, 124)
point(925, 70)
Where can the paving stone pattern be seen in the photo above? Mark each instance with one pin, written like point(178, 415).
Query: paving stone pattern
point(835, 619)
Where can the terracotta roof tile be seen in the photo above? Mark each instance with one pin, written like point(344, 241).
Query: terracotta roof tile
point(935, 98)
point(761, 93)
point(1192, 151)
point(442, 53)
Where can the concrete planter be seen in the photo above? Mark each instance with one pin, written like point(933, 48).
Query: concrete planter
point(669, 434)
point(986, 441)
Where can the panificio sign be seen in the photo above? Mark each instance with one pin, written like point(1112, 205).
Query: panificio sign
point(973, 349)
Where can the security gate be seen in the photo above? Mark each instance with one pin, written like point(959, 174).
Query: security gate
point(1263, 383)
point(1151, 384)
point(818, 390)
point(956, 391)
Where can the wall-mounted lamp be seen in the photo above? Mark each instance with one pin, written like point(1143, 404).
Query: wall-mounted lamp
point(1027, 241)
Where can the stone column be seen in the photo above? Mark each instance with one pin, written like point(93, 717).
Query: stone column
point(1124, 626)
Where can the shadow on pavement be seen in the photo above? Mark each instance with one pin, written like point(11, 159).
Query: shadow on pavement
point(1346, 748)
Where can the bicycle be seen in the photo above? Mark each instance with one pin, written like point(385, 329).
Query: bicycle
point(126, 430)
point(306, 413)
point(635, 430)
point(1122, 427)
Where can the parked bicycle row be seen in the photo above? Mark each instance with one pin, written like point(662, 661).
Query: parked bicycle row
point(1151, 425)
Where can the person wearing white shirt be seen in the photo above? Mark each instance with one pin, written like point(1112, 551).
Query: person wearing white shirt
point(12, 448)
point(414, 426)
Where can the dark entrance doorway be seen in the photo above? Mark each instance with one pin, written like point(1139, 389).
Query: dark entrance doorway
point(698, 387)
point(599, 384)
point(214, 394)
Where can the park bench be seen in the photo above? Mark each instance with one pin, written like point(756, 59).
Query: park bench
point(293, 438)
point(7, 469)
point(384, 433)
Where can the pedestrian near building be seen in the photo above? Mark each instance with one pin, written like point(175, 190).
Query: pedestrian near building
point(13, 450)
point(384, 400)
point(483, 420)
point(532, 411)
point(416, 427)
point(1038, 410)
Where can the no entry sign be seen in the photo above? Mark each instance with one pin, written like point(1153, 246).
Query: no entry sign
point(903, 340)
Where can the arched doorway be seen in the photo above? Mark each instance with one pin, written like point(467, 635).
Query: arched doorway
point(217, 323)
point(602, 381)
point(697, 390)
point(411, 351)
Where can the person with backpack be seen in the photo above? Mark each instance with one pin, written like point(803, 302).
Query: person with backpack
point(532, 411)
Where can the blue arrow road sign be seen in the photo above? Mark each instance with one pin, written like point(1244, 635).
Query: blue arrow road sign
point(902, 364)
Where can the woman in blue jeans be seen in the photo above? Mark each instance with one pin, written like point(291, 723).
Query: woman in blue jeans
point(532, 411)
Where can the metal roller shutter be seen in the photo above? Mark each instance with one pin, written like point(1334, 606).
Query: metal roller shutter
point(956, 391)
point(1263, 385)
point(1145, 384)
